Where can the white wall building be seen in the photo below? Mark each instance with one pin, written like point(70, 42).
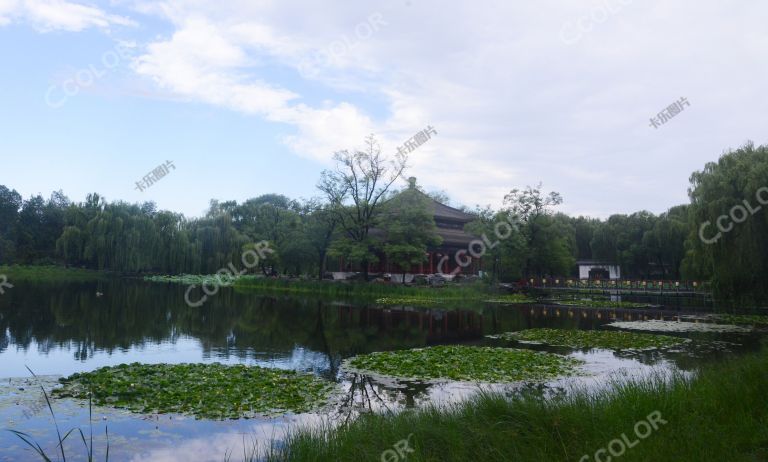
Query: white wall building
point(593, 269)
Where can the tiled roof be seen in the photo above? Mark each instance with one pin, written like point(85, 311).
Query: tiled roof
point(443, 211)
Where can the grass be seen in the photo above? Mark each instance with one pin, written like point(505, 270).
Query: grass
point(380, 293)
point(465, 363)
point(88, 445)
point(606, 339)
point(50, 273)
point(720, 414)
point(371, 290)
point(213, 391)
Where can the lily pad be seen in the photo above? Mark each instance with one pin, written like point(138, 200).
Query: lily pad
point(746, 319)
point(213, 391)
point(610, 340)
point(465, 363)
point(655, 325)
point(513, 298)
point(196, 279)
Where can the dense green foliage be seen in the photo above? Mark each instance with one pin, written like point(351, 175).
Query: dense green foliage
point(709, 417)
point(125, 237)
point(466, 363)
point(545, 243)
point(409, 229)
point(737, 260)
point(607, 339)
point(138, 238)
point(213, 391)
point(49, 274)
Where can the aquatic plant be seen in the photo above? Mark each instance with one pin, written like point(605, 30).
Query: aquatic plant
point(212, 391)
point(195, 279)
point(30, 441)
point(594, 303)
point(465, 363)
point(511, 298)
point(718, 413)
point(747, 319)
point(606, 339)
point(656, 325)
point(409, 301)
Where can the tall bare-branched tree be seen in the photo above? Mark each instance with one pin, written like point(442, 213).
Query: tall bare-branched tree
point(355, 189)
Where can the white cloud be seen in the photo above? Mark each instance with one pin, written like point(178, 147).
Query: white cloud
point(514, 104)
point(204, 63)
point(48, 15)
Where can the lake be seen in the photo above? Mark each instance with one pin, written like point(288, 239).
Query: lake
point(56, 329)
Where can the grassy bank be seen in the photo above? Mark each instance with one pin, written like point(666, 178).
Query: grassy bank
point(50, 273)
point(474, 291)
point(722, 414)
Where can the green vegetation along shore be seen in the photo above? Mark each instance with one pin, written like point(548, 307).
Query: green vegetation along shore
point(50, 273)
point(711, 417)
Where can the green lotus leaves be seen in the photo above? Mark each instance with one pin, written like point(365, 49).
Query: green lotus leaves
point(744, 319)
point(465, 363)
point(605, 339)
point(512, 298)
point(211, 391)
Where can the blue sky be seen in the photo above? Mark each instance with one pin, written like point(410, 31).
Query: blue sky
point(248, 97)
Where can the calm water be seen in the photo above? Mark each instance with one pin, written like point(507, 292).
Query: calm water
point(58, 329)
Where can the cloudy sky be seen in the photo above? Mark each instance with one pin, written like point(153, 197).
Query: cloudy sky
point(247, 97)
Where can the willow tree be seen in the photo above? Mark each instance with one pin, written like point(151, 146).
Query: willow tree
point(355, 190)
point(729, 223)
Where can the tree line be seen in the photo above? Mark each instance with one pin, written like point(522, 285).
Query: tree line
point(360, 195)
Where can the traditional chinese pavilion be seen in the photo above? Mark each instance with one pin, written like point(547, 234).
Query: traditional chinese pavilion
point(441, 259)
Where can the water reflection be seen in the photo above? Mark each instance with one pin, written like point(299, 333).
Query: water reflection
point(61, 329)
